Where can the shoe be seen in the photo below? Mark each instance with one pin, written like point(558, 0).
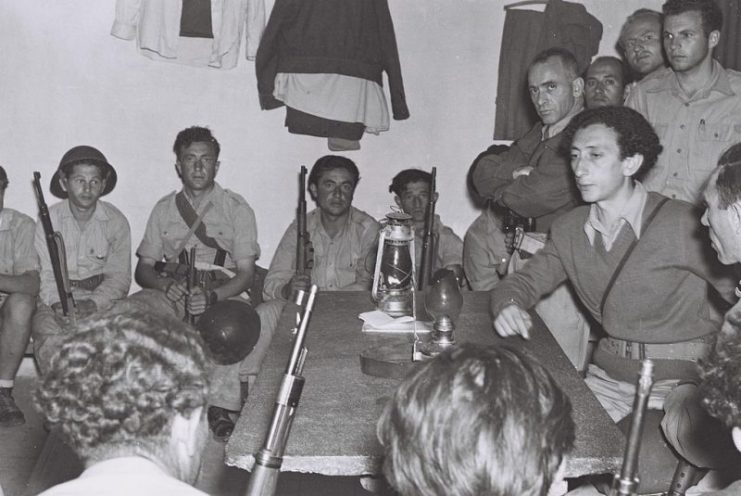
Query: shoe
point(220, 423)
point(10, 414)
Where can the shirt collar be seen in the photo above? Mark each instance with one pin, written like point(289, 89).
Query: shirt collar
point(719, 80)
point(99, 214)
point(315, 218)
point(215, 191)
point(632, 213)
point(549, 131)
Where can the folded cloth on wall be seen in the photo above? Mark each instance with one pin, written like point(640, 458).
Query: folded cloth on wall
point(299, 122)
point(350, 38)
point(157, 29)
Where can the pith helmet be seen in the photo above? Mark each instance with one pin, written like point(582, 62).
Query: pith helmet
point(83, 154)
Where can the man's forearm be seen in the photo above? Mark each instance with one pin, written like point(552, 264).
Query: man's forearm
point(147, 277)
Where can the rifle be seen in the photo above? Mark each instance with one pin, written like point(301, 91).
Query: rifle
point(626, 483)
point(191, 281)
point(268, 460)
point(302, 235)
point(428, 241)
point(57, 254)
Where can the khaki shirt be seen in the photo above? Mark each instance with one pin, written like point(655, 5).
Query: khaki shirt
point(230, 221)
point(694, 131)
point(484, 250)
point(338, 262)
point(102, 247)
point(17, 253)
point(448, 248)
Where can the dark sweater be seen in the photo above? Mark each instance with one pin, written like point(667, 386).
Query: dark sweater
point(661, 296)
point(547, 192)
point(349, 37)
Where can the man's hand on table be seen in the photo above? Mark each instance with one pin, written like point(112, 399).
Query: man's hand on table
point(512, 321)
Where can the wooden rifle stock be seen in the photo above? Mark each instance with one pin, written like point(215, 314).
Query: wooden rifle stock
point(302, 235)
point(57, 255)
point(264, 477)
point(428, 241)
point(626, 483)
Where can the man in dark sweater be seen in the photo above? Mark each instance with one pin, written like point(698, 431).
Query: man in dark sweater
point(658, 306)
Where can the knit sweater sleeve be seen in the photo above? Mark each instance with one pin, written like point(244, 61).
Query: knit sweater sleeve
point(390, 58)
point(539, 277)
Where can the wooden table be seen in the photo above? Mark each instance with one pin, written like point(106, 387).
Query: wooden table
point(334, 431)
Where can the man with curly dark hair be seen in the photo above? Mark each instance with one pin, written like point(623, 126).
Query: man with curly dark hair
point(635, 260)
point(695, 105)
point(493, 421)
point(128, 393)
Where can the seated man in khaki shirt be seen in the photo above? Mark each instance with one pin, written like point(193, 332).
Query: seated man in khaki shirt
point(343, 238)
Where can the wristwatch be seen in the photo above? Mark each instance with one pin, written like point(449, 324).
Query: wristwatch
point(212, 298)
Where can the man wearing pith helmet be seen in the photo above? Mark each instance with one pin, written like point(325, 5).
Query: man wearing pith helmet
point(97, 243)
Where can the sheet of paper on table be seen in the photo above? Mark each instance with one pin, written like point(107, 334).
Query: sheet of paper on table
point(377, 321)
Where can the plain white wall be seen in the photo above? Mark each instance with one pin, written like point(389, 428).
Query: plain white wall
point(66, 81)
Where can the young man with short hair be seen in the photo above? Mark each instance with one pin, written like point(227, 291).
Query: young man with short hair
point(220, 226)
point(411, 190)
point(695, 107)
point(97, 242)
point(636, 263)
point(19, 286)
point(343, 238)
point(476, 420)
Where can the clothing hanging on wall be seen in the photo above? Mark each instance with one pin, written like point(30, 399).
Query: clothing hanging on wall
point(728, 51)
point(526, 33)
point(325, 61)
point(178, 30)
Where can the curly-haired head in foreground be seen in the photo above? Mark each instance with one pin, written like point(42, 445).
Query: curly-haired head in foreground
point(473, 421)
point(119, 383)
point(635, 136)
point(720, 389)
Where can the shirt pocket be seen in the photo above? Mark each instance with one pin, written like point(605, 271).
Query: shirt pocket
point(173, 235)
point(712, 139)
point(96, 255)
point(223, 233)
point(715, 132)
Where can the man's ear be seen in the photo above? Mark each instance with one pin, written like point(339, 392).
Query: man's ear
point(313, 191)
point(398, 201)
point(178, 168)
point(735, 210)
point(577, 87)
point(736, 436)
point(185, 431)
point(63, 182)
point(632, 164)
point(714, 39)
point(437, 195)
point(216, 167)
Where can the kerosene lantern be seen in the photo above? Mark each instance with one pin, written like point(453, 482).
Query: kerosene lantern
point(393, 278)
point(443, 301)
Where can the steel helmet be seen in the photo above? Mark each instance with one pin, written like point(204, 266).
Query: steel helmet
point(230, 330)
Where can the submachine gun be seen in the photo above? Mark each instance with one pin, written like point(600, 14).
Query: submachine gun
point(626, 483)
point(428, 240)
point(302, 235)
point(268, 460)
point(57, 254)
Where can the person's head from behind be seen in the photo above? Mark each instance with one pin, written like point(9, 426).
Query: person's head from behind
point(722, 197)
point(604, 83)
point(197, 158)
point(473, 421)
point(554, 84)
point(608, 146)
point(641, 41)
point(411, 189)
point(332, 183)
point(720, 389)
point(130, 383)
point(691, 31)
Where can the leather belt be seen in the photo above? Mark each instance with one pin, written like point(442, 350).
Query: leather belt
point(89, 283)
point(686, 350)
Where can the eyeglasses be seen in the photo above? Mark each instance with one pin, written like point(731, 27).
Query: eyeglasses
point(642, 40)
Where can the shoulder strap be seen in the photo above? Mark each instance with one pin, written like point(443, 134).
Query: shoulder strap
point(625, 258)
point(194, 221)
